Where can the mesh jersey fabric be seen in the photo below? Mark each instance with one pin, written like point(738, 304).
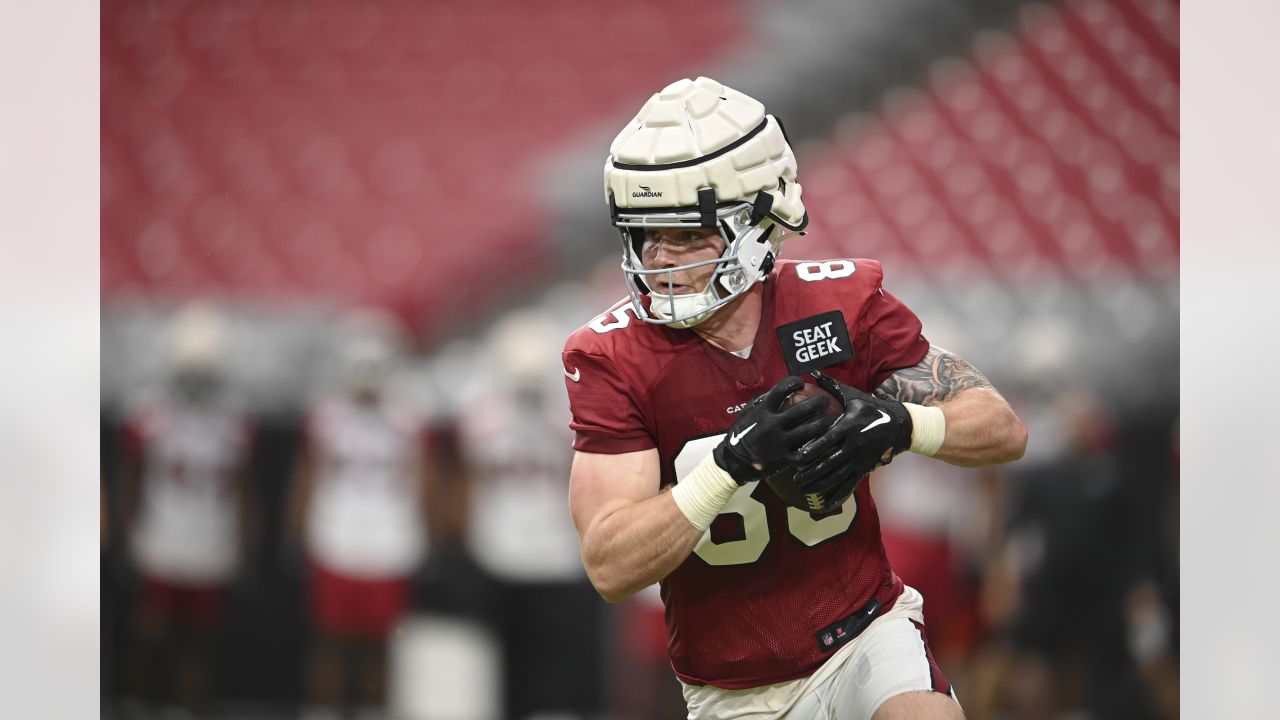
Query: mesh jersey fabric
point(754, 621)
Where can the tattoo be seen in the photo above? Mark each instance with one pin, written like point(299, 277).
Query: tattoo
point(940, 376)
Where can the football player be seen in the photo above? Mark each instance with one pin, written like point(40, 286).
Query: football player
point(358, 507)
point(186, 507)
point(512, 435)
point(681, 404)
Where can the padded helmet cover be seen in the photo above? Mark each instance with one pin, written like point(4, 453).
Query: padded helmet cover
point(676, 145)
point(703, 155)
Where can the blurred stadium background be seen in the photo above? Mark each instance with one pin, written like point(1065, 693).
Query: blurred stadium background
point(299, 198)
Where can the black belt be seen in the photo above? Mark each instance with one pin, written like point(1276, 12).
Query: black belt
point(842, 631)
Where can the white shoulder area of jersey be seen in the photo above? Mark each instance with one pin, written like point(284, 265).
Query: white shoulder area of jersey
point(319, 415)
point(403, 415)
point(234, 410)
point(327, 407)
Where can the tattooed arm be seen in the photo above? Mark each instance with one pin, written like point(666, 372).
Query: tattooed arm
point(981, 427)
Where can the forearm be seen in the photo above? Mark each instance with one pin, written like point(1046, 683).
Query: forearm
point(632, 537)
point(636, 544)
point(981, 429)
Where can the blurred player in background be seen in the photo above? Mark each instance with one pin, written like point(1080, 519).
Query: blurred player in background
point(357, 507)
point(514, 436)
point(679, 401)
point(186, 510)
point(1089, 630)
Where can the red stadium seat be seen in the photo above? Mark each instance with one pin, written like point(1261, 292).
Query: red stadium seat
point(356, 151)
point(1055, 147)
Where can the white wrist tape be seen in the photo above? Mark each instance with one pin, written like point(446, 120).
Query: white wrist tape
point(929, 428)
point(702, 492)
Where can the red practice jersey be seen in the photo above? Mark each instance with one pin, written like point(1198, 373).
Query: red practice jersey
point(752, 604)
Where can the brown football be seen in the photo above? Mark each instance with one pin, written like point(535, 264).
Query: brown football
point(781, 481)
point(812, 389)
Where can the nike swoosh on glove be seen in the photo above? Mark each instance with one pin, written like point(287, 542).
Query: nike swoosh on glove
point(765, 438)
point(868, 434)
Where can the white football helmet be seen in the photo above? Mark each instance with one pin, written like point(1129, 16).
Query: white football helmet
point(369, 350)
point(700, 154)
point(197, 352)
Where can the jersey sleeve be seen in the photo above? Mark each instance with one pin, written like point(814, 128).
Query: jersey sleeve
point(894, 338)
point(605, 415)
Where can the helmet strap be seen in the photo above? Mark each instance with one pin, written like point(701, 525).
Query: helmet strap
point(760, 209)
point(707, 207)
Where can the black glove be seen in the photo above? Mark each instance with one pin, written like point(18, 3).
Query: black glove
point(867, 435)
point(765, 437)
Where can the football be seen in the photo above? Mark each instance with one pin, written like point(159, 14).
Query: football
point(812, 389)
point(781, 481)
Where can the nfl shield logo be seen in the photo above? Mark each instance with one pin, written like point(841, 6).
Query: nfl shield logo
point(827, 639)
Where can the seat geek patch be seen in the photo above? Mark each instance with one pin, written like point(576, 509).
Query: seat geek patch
point(815, 342)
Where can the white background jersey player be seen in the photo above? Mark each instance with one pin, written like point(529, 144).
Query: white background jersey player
point(365, 514)
point(188, 448)
point(186, 510)
point(358, 505)
point(514, 438)
point(192, 460)
point(515, 444)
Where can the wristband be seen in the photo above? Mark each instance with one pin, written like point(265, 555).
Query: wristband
point(928, 429)
point(702, 492)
